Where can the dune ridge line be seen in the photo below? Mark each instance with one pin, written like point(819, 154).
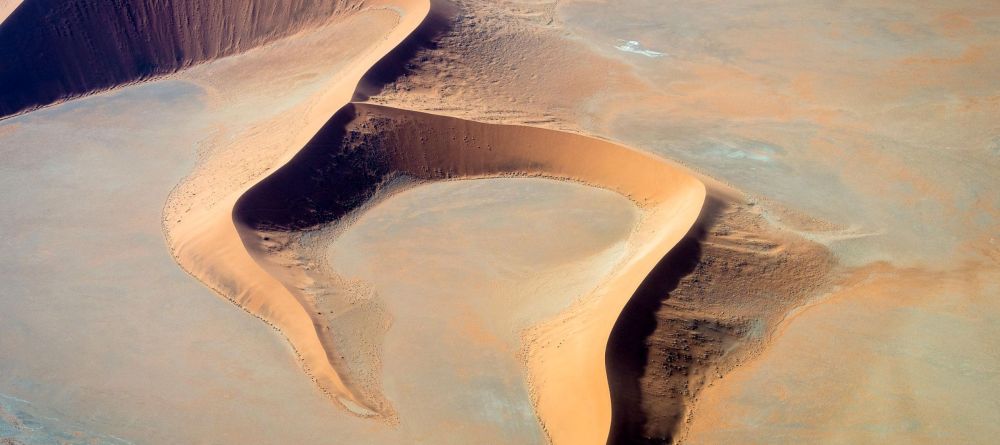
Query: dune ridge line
point(361, 147)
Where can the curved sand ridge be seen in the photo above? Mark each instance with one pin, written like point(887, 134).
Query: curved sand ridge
point(364, 145)
point(207, 244)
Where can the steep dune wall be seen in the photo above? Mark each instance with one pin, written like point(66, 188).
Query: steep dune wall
point(56, 49)
point(709, 306)
point(363, 145)
point(206, 242)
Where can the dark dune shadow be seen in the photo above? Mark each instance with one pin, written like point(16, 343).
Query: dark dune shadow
point(627, 355)
point(51, 50)
point(364, 145)
point(338, 170)
point(406, 56)
point(335, 172)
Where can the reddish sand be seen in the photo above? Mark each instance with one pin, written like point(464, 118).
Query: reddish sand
point(876, 120)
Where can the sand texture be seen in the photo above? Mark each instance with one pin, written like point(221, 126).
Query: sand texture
point(209, 244)
point(499, 221)
point(357, 160)
point(368, 144)
point(56, 49)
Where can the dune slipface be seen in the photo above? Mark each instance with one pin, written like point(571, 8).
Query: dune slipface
point(364, 146)
point(57, 49)
point(207, 244)
point(329, 171)
point(222, 244)
point(311, 114)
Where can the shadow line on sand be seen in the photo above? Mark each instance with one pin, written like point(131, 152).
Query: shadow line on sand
point(363, 146)
point(628, 348)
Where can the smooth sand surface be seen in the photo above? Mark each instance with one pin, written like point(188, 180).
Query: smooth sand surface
point(208, 245)
point(461, 268)
point(910, 366)
point(104, 338)
point(565, 355)
point(875, 119)
point(849, 114)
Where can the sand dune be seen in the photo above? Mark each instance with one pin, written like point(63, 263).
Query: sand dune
point(208, 244)
point(232, 258)
point(365, 149)
point(364, 146)
point(58, 49)
point(706, 275)
point(227, 230)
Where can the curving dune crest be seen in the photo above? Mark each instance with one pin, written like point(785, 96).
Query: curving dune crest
point(689, 280)
point(334, 166)
point(362, 147)
point(208, 245)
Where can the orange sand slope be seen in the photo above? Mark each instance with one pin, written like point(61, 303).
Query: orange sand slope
point(221, 222)
point(231, 258)
point(208, 245)
point(364, 146)
point(294, 151)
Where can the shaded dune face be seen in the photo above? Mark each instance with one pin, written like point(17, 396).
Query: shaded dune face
point(584, 376)
point(709, 306)
point(57, 49)
point(364, 146)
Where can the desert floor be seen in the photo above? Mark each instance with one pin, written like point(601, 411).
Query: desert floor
point(513, 222)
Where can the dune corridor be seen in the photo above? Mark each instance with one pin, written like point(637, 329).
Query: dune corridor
point(565, 222)
point(447, 334)
point(364, 146)
point(367, 145)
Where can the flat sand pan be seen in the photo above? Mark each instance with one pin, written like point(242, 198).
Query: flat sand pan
point(462, 268)
point(916, 347)
point(103, 337)
point(364, 146)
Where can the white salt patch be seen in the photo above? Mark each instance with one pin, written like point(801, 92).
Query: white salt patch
point(633, 46)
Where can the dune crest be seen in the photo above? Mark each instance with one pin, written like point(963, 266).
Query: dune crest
point(365, 145)
point(207, 243)
point(332, 166)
